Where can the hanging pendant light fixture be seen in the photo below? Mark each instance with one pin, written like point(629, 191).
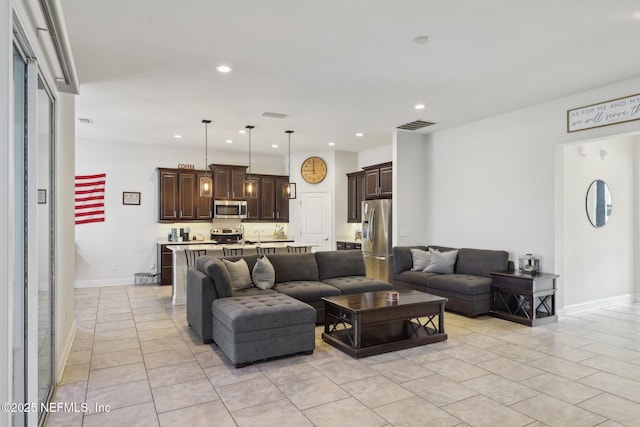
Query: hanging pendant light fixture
point(250, 185)
point(206, 182)
point(290, 188)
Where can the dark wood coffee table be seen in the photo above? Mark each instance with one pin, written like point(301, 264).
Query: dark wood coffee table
point(365, 324)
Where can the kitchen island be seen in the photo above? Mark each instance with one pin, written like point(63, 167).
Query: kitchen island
point(179, 260)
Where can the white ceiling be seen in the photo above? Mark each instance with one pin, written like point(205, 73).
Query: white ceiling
point(335, 67)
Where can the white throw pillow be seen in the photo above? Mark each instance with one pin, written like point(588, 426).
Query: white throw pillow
point(442, 262)
point(421, 259)
point(239, 273)
point(264, 275)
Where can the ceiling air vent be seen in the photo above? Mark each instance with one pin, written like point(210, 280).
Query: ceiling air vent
point(274, 115)
point(415, 125)
point(85, 121)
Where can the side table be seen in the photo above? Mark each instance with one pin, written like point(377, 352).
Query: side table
point(529, 299)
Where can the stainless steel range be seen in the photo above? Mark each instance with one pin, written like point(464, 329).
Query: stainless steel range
point(227, 235)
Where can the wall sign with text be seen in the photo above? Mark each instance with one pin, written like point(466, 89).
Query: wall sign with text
point(606, 113)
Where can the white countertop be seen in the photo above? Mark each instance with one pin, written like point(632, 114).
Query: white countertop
point(181, 246)
point(213, 242)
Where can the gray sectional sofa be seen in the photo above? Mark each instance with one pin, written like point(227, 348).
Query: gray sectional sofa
point(307, 277)
point(468, 288)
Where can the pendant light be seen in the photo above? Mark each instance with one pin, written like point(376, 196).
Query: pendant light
point(250, 185)
point(290, 188)
point(206, 182)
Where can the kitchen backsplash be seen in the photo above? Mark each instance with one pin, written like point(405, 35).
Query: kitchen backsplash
point(251, 229)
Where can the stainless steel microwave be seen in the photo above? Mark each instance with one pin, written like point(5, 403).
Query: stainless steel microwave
point(229, 209)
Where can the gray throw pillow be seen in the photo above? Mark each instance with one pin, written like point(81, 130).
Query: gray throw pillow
point(264, 275)
point(442, 262)
point(421, 259)
point(239, 273)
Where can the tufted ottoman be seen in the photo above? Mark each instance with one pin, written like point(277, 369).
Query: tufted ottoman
point(257, 327)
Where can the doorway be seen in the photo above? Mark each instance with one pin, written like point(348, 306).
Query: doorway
point(315, 220)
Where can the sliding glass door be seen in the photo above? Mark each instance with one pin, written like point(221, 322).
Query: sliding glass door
point(34, 247)
point(45, 238)
point(21, 221)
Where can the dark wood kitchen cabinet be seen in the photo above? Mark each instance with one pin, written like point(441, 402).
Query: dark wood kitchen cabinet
point(355, 196)
point(228, 182)
point(348, 246)
point(188, 192)
point(169, 195)
point(378, 182)
point(179, 196)
point(272, 203)
point(165, 264)
point(282, 199)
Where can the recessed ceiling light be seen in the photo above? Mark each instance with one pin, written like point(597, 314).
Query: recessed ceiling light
point(223, 68)
point(274, 145)
point(419, 106)
point(422, 40)
point(242, 131)
point(177, 136)
point(228, 141)
point(359, 134)
point(332, 143)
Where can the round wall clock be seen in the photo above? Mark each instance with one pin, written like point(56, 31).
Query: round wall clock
point(313, 170)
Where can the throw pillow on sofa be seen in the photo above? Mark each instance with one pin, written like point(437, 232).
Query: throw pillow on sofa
point(442, 262)
point(421, 259)
point(264, 275)
point(239, 272)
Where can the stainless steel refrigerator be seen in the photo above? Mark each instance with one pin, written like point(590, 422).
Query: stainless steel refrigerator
point(376, 237)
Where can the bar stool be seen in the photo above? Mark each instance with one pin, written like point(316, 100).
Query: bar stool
point(296, 249)
point(262, 251)
point(192, 255)
point(232, 251)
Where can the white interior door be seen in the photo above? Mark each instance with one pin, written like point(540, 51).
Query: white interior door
point(315, 220)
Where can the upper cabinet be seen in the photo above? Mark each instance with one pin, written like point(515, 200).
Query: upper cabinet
point(169, 195)
point(282, 199)
point(378, 183)
point(179, 196)
point(355, 195)
point(272, 203)
point(228, 182)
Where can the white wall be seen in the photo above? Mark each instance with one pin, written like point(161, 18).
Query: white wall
point(410, 216)
point(110, 252)
point(490, 185)
point(496, 184)
point(375, 156)
point(65, 231)
point(345, 162)
point(599, 262)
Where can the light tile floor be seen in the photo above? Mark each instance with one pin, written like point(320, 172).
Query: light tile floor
point(135, 352)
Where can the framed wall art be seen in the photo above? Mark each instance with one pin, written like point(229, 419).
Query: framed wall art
point(130, 197)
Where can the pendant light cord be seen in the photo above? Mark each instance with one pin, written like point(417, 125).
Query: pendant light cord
point(289, 166)
point(206, 143)
point(249, 127)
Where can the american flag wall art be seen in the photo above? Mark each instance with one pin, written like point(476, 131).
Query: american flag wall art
point(90, 198)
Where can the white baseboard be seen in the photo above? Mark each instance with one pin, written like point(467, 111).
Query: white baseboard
point(591, 305)
point(100, 283)
point(63, 356)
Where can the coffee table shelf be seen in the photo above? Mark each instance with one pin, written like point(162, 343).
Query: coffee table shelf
point(366, 324)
